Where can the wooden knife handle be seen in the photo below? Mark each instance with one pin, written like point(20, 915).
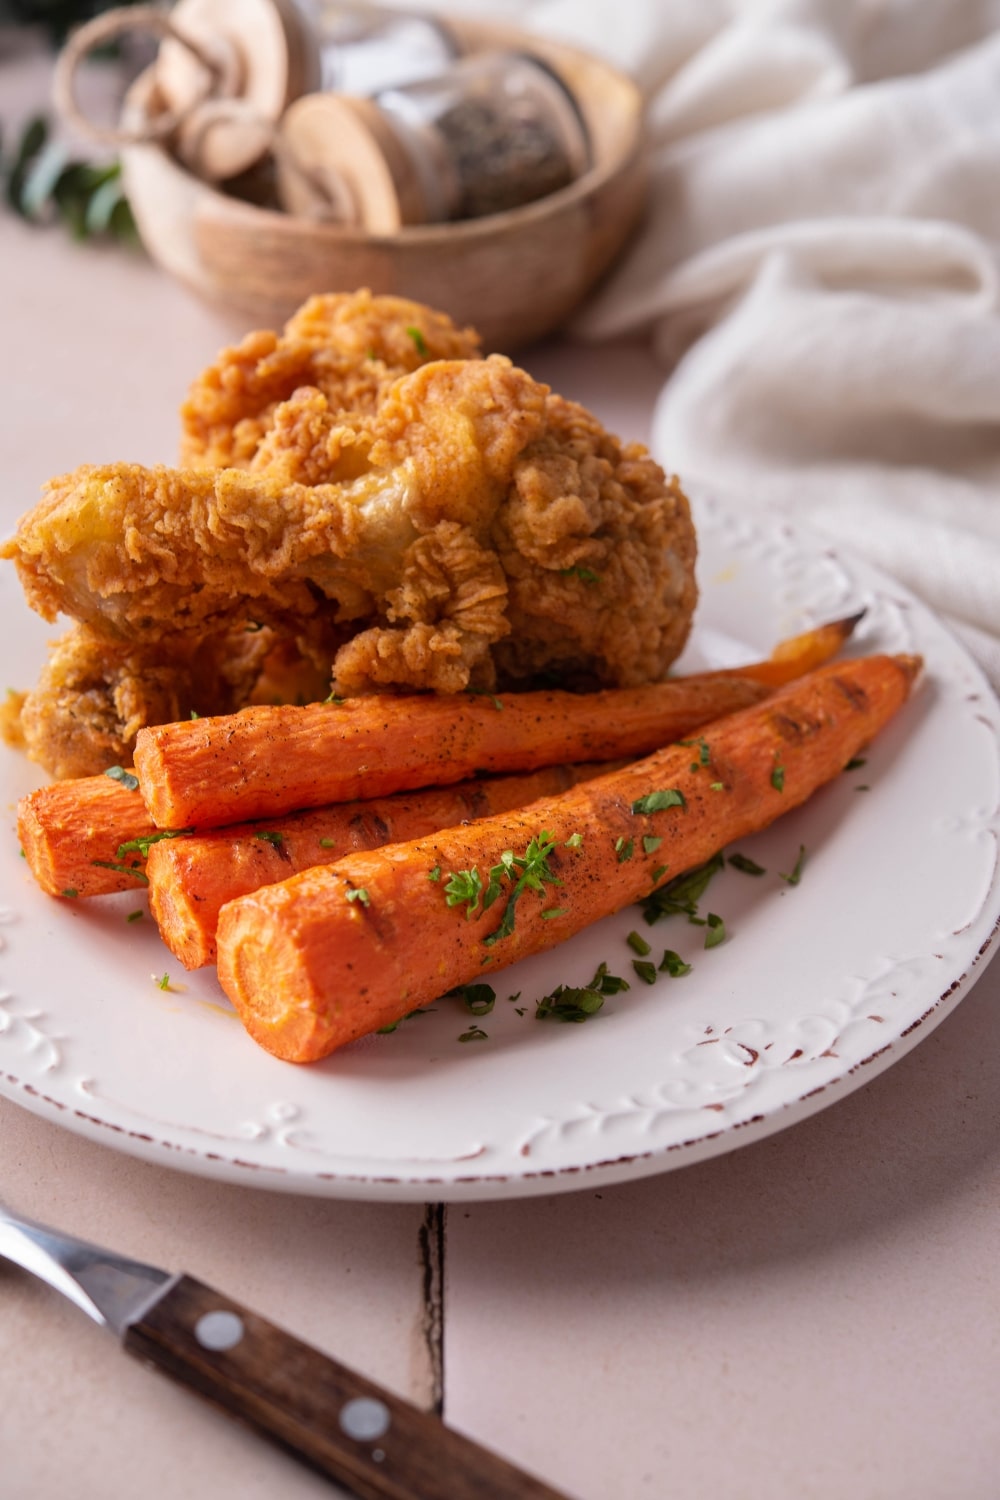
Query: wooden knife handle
point(376, 1446)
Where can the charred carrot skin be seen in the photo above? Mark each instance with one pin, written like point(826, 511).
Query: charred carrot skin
point(191, 879)
point(71, 832)
point(268, 760)
point(332, 954)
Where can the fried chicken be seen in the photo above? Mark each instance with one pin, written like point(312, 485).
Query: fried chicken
point(473, 531)
point(350, 346)
point(93, 695)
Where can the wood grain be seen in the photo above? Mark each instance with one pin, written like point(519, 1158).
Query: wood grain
point(295, 1396)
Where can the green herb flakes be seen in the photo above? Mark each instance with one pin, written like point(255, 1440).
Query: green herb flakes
point(134, 916)
point(796, 875)
point(419, 342)
point(855, 763)
point(575, 841)
point(142, 844)
point(585, 575)
point(434, 874)
point(673, 964)
point(276, 840)
point(715, 931)
point(638, 944)
point(645, 970)
point(657, 801)
point(479, 999)
point(474, 1034)
point(579, 1003)
point(747, 865)
point(463, 888)
point(534, 874)
point(650, 843)
point(70, 892)
point(680, 896)
point(326, 843)
point(778, 778)
point(624, 848)
point(360, 895)
point(118, 773)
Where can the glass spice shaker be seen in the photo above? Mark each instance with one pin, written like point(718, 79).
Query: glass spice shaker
point(493, 132)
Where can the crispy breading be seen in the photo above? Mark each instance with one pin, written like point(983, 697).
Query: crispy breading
point(467, 528)
point(348, 345)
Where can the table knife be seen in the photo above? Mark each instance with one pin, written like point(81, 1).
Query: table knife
point(375, 1445)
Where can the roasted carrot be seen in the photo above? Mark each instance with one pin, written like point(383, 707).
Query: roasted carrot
point(799, 654)
point(334, 953)
point(266, 761)
point(191, 879)
point(72, 831)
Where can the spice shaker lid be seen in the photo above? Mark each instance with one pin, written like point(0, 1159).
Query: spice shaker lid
point(338, 158)
point(270, 62)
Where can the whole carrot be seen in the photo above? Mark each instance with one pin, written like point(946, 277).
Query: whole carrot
point(191, 879)
point(334, 953)
point(269, 760)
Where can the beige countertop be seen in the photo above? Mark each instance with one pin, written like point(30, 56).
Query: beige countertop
point(815, 1315)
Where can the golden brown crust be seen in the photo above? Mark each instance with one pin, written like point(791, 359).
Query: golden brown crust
point(350, 346)
point(460, 526)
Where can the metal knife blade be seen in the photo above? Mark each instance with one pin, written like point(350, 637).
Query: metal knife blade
point(369, 1441)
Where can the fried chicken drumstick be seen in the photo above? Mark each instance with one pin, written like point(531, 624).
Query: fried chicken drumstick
point(463, 527)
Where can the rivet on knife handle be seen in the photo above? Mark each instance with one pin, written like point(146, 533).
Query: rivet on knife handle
point(378, 1447)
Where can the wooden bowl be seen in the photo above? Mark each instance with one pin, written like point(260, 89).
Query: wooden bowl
point(515, 276)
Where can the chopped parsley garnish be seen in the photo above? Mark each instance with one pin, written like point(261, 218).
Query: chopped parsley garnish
point(553, 911)
point(579, 1003)
point(122, 869)
point(650, 843)
point(624, 848)
point(533, 873)
point(419, 342)
point(274, 839)
point(162, 983)
point(434, 874)
point(778, 778)
point(575, 841)
point(463, 888)
point(585, 575)
point(645, 970)
point(474, 1034)
point(477, 998)
point(855, 763)
point(638, 943)
point(704, 755)
point(70, 892)
point(747, 865)
point(326, 843)
point(796, 875)
point(333, 698)
point(118, 773)
point(141, 845)
point(359, 894)
point(715, 931)
point(134, 916)
point(717, 786)
point(657, 801)
point(673, 964)
point(680, 896)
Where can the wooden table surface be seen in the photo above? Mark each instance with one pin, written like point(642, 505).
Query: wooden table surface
point(816, 1315)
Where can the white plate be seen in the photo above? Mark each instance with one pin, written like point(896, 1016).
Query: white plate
point(818, 987)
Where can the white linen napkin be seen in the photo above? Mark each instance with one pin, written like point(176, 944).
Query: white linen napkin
point(819, 268)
